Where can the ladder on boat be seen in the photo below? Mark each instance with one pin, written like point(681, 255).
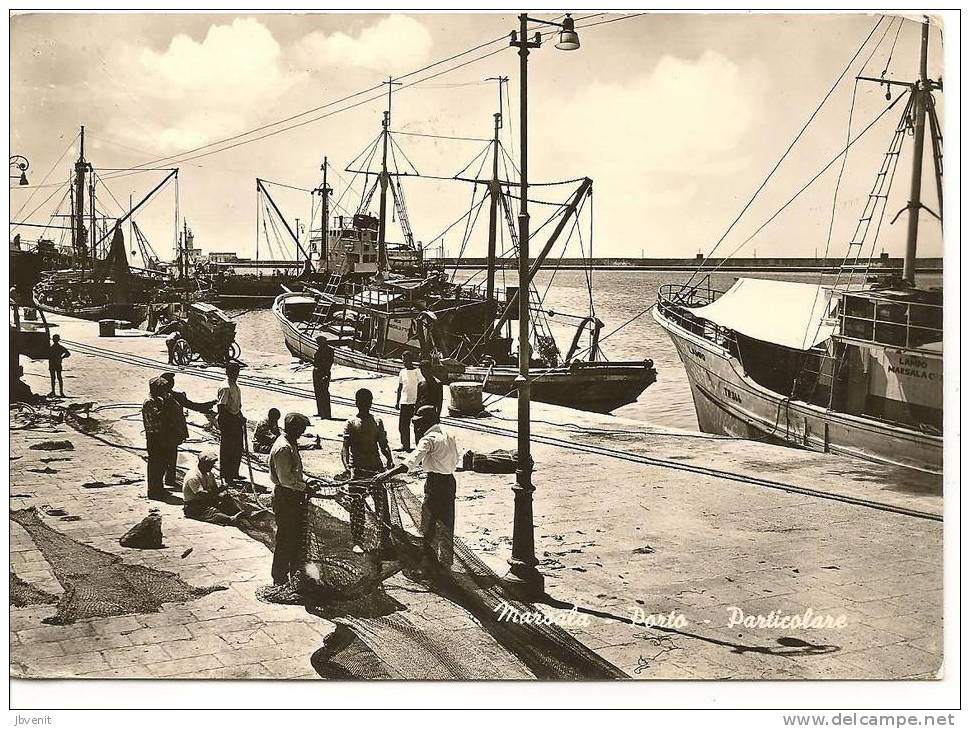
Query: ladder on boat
point(329, 317)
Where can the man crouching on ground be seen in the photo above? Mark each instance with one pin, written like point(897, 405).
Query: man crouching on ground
point(203, 499)
point(290, 498)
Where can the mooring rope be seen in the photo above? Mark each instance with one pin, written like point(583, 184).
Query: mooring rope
point(258, 383)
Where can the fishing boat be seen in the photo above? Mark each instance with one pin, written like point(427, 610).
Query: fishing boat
point(373, 316)
point(102, 284)
point(852, 368)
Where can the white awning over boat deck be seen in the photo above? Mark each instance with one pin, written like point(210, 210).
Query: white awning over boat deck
point(794, 315)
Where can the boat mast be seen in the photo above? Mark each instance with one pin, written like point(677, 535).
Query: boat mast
point(80, 244)
point(324, 216)
point(384, 180)
point(183, 239)
point(495, 192)
point(920, 90)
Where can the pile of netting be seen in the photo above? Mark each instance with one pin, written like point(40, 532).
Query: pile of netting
point(100, 584)
point(346, 587)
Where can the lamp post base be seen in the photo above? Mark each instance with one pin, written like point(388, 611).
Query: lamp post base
point(524, 581)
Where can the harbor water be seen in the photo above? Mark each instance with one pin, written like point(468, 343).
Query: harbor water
point(619, 296)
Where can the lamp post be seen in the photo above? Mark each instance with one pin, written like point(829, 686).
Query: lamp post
point(523, 576)
point(19, 162)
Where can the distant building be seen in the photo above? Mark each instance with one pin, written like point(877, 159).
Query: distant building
point(191, 252)
point(224, 257)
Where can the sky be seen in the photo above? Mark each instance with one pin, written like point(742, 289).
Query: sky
point(677, 118)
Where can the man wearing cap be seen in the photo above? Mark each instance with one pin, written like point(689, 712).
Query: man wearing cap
point(365, 440)
point(437, 454)
point(232, 425)
point(322, 365)
point(178, 431)
point(289, 497)
point(152, 414)
point(202, 497)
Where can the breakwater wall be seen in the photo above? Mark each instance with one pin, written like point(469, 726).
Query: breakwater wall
point(883, 264)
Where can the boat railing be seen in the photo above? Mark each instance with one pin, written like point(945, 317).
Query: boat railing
point(675, 302)
point(885, 320)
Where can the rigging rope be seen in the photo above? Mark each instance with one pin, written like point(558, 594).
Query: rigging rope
point(808, 184)
point(785, 154)
point(33, 192)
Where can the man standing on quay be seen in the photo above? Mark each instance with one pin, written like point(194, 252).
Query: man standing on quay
point(437, 454)
point(407, 396)
point(156, 439)
point(55, 356)
point(290, 498)
point(176, 402)
point(231, 425)
point(322, 364)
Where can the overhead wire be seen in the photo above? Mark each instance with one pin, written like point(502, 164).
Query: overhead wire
point(788, 149)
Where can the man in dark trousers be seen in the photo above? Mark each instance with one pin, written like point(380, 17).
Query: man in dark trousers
point(322, 364)
point(55, 356)
point(430, 392)
point(175, 404)
point(437, 454)
point(365, 440)
point(290, 498)
point(153, 418)
point(407, 394)
point(232, 425)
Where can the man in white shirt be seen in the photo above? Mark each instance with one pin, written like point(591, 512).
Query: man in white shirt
point(437, 454)
point(170, 339)
point(232, 424)
point(290, 499)
point(407, 396)
point(203, 499)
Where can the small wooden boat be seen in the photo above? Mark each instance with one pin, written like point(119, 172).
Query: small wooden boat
point(584, 385)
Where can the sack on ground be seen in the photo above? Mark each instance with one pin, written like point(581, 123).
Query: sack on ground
point(497, 461)
point(146, 534)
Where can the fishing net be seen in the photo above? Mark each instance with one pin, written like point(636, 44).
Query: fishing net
point(100, 584)
point(23, 593)
point(377, 638)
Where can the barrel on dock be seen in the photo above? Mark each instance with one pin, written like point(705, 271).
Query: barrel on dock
point(465, 398)
point(106, 328)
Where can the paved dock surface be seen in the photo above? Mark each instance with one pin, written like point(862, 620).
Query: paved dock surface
point(632, 521)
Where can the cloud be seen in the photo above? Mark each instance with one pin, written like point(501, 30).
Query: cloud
point(194, 92)
point(390, 45)
point(665, 117)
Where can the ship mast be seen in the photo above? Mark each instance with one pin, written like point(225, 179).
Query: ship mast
point(921, 89)
point(80, 234)
point(324, 218)
point(384, 180)
point(495, 193)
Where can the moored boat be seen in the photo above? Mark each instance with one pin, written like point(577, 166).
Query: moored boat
point(848, 368)
point(373, 314)
point(585, 385)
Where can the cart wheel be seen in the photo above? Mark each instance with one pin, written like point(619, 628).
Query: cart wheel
point(182, 353)
point(234, 351)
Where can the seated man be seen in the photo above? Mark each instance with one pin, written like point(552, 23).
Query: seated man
point(267, 431)
point(204, 500)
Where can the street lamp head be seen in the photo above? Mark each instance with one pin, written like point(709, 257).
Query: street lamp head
point(23, 178)
point(568, 37)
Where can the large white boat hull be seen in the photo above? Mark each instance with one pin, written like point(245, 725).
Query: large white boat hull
point(730, 403)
